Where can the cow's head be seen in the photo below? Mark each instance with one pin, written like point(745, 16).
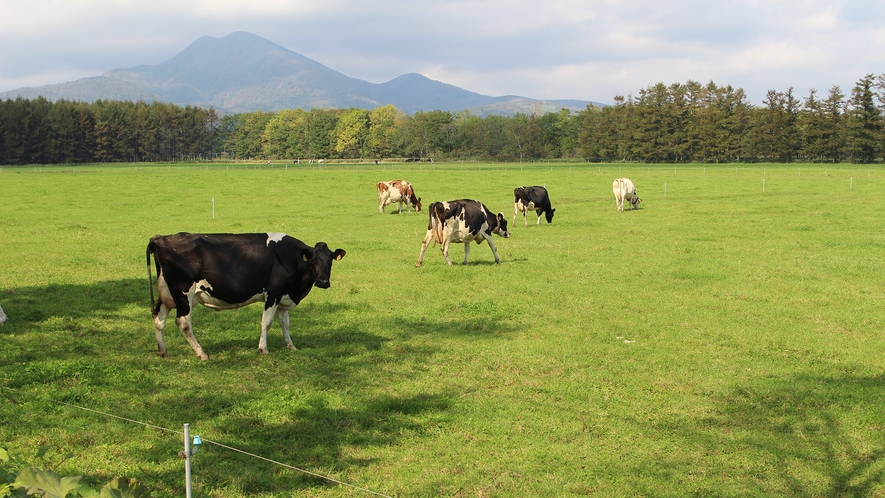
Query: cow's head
point(320, 260)
point(635, 201)
point(501, 229)
point(549, 215)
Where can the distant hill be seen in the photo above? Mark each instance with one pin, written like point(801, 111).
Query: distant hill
point(242, 72)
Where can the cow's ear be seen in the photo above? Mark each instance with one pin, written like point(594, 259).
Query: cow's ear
point(339, 253)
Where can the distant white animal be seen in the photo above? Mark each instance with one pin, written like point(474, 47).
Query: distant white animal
point(3, 316)
point(625, 191)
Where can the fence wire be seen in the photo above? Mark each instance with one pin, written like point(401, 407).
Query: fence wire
point(209, 441)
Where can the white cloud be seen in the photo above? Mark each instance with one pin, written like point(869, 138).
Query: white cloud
point(555, 49)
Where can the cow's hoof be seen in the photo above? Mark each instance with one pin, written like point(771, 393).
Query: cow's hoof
point(204, 358)
point(291, 346)
point(163, 354)
point(263, 351)
point(418, 265)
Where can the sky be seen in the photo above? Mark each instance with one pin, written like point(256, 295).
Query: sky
point(544, 49)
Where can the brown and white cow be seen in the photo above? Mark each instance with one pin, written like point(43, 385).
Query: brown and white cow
point(526, 199)
point(462, 221)
point(625, 191)
point(397, 191)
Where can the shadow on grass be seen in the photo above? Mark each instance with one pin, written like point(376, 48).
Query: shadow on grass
point(28, 306)
point(807, 435)
point(324, 407)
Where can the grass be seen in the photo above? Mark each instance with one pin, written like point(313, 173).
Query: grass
point(719, 341)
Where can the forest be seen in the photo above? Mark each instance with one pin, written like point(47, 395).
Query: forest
point(682, 122)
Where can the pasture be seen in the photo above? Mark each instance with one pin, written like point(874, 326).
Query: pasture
point(720, 341)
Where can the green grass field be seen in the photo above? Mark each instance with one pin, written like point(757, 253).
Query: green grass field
point(720, 341)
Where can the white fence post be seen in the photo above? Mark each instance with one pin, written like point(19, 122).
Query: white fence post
point(187, 461)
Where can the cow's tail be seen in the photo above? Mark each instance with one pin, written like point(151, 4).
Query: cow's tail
point(148, 252)
point(437, 221)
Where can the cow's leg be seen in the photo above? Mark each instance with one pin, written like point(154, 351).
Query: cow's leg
point(539, 216)
point(424, 244)
point(492, 245)
point(466, 251)
point(283, 317)
point(515, 211)
point(381, 206)
point(159, 326)
point(187, 329)
point(444, 247)
point(270, 311)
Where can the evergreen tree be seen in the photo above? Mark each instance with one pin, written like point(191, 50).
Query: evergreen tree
point(863, 122)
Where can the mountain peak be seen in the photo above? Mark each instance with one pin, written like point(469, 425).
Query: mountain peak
point(243, 72)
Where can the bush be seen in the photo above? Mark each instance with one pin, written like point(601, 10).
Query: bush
point(34, 481)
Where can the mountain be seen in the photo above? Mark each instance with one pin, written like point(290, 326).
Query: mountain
point(242, 72)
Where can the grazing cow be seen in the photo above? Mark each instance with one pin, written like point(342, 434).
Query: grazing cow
point(462, 221)
point(397, 191)
point(526, 199)
point(226, 271)
point(625, 191)
point(3, 316)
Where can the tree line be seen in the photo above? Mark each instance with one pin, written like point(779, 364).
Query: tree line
point(682, 122)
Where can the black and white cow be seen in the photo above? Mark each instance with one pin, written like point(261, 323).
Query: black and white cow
point(462, 221)
point(624, 190)
point(3, 316)
point(227, 271)
point(526, 199)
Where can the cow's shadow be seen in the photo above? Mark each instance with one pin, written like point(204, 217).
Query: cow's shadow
point(93, 345)
point(27, 306)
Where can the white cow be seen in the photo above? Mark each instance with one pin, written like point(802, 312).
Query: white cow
point(625, 191)
point(3, 316)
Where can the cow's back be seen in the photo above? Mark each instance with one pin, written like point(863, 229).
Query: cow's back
point(623, 187)
point(236, 266)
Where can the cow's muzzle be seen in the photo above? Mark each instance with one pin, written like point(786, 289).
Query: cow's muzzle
point(323, 283)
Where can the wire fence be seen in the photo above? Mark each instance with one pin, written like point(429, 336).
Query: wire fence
point(204, 440)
